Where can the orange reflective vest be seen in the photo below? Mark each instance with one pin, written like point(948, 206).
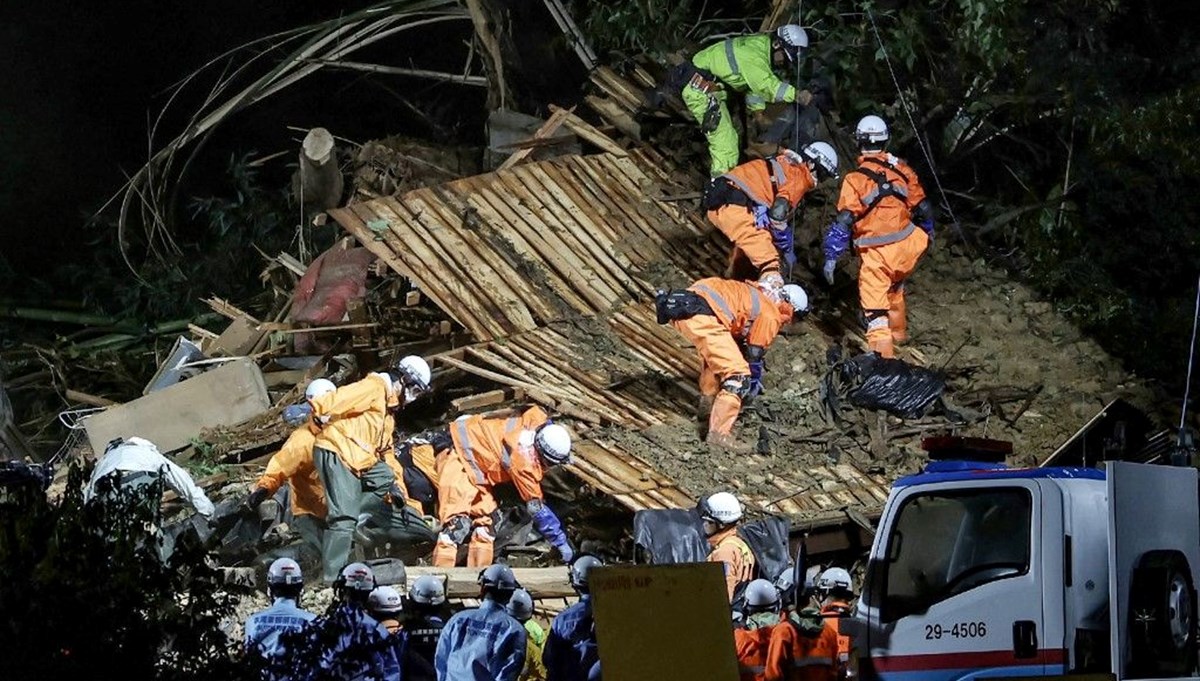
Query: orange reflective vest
point(751, 645)
point(501, 450)
point(793, 656)
point(744, 309)
point(836, 609)
point(293, 464)
point(880, 194)
point(353, 421)
point(730, 549)
point(764, 180)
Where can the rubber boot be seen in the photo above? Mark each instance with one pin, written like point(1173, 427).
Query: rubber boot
point(725, 411)
point(445, 554)
point(480, 549)
point(883, 346)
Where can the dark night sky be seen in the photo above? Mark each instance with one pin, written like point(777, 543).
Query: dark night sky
point(81, 79)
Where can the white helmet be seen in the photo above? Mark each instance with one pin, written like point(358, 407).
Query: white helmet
point(320, 386)
point(761, 595)
point(520, 605)
point(835, 579)
point(284, 571)
point(795, 296)
point(385, 599)
point(427, 590)
point(416, 373)
point(722, 507)
point(793, 39)
point(358, 577)
point(823, 156)
point(553, 443)
point(871, 132)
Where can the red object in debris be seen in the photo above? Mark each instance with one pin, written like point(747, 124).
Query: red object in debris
point(336, 277)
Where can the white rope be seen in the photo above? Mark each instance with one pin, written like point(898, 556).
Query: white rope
point(1187, 390)
point(908, 113)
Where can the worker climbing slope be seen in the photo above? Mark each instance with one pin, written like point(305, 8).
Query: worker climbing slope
point(354, 435)
point(743, 64)
point(486, 452)
point(753, 204)
point(731, 323)
point(883, 213)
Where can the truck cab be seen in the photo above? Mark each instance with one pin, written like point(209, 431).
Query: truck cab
point(979, 570)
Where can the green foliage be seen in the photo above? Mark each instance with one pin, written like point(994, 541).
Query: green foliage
point(85, 594)
point(637, 26)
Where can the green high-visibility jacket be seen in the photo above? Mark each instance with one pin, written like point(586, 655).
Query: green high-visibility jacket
point(744, 64)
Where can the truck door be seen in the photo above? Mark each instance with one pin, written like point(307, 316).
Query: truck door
point(957, 583)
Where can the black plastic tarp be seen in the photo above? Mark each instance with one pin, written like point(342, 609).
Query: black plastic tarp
point(768, 540)
point(892, 385)
point(672, 535)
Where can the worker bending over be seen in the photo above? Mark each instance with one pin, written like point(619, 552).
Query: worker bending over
point(720, 514)
point(486, 452)
point(883, 213)
point(753, 204)
point(293, 464)
point(731, 323)
point(354, 435)
point(743, 64)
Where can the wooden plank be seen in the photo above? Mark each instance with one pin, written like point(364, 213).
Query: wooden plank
point(565, 376)
point(616, 86)
point(171, 417)
point(552, 124)
point(611, 111)
point(463, 582)
point(527, 239)
point(582, 229)
point(484, 399)
point(238, 339)
point(490, 287)
point(588, 132)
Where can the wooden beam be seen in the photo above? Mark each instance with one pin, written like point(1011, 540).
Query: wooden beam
point(552, 124)
point(589, 132)
point(463, 582)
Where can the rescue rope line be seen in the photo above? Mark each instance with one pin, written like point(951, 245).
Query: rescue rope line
point(908, 113)
point(1187, 389)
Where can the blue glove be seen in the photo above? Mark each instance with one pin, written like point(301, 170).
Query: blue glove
point(784, 240)
point(548, 525)
point(927, 226)
point(837, 242)
point(761, 219)
point(297, 414)
point(756, 384)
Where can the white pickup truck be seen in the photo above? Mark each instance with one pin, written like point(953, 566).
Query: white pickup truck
point(983, 571)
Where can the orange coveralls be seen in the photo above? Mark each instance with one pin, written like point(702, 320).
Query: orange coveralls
point(792, 656)
point(888, 243)
point(293, 464)
point(762, 181)
point(738, 559)
point(486, 453)
point(741, 312)
point(751, 645)
point(834, 609)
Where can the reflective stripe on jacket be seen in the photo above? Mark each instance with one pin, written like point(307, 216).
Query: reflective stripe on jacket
point(890, 220)
point(494, 453)
point(744, 64)
point(744, 309)
point(762, 180)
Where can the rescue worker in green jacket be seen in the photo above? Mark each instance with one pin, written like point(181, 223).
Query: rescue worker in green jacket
point(743, 64)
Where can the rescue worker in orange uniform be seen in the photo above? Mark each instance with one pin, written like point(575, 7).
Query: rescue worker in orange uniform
point(486, 452)
point(752, 638)
point(731, 323)
point(753, 203)
point(802, 648)
point(835, 591)
point(293, 464)
point(720, 514)
point(354, 428)
point(883, 212)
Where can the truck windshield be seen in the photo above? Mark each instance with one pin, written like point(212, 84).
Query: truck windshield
point(946, 543)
